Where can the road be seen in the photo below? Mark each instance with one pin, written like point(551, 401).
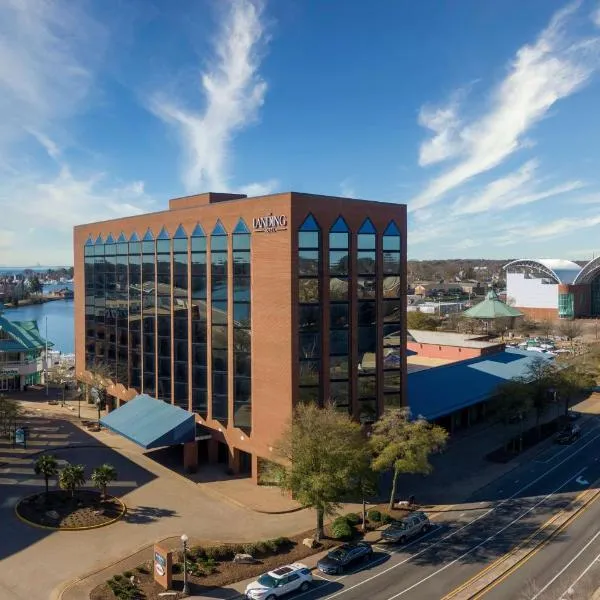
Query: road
point(499, 517)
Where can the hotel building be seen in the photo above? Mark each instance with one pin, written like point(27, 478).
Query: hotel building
point(236, 308)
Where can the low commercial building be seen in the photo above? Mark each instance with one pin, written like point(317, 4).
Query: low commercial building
point(234, 309)
point(22, 352)
point(450, 346)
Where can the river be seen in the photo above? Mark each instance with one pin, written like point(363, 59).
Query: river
point(61, 322)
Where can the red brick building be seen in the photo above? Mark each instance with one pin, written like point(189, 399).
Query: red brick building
point(236, 308)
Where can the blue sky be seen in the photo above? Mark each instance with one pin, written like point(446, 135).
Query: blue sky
point(481, 116)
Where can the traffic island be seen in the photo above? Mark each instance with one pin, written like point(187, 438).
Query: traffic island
point(59, 510)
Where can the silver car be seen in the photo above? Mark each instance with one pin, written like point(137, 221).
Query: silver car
point(407, 528)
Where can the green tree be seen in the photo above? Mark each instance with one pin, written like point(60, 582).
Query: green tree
point(404, 445)
point(35, 286)
point(71, 477)
point(322, 452)
point(10, 411)
point(46, 465)
point(102, 476)
point(573, 380)
point(101, 377)
point(421, 321)
point(540, 377)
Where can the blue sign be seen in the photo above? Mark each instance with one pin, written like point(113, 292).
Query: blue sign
point(20, 436)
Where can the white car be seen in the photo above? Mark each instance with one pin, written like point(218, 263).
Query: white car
point(279, 582)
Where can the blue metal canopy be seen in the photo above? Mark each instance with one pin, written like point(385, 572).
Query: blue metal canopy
point(152, 423)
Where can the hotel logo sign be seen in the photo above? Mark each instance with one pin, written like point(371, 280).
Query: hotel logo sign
point(270, 223)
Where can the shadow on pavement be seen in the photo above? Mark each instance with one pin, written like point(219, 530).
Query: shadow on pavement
point(141, 515)
point(64, 439)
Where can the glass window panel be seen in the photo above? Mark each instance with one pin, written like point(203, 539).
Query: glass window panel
point(366, 262)
point(392, 287)
point(199, 402)
point(392, 358)
point(241, 263)
point(309, 395)
point(392, 400)
point(339, 262)
point(241, 314)
point(198, 244)
point(241, 289)
point(218, 242)
point(308, 239)
point(180, 245)
point(392, 311)
point(392, 264)
point(309, 318)
point(338, 342)
point(391, 335)
point(163, 246)
point(366, 313)
point(339, 392)
point(392, 381)
point(180, 287)
point(198, 317)
point(198, 354)
point(308, 262)
point(242, 364)
point(241, 241)
point(339, 240)
point(338, 289)
point(391, 242)
point(219, 286)
point(242, 389)
point(365, 241)
point(367, 412)
point(308, 291)
point(339, 316)
point(135, 247)
point(310, 345)
point(366, 288)
point(338, 367)
point(219, 381)
point(180, 265)
point(366, 386)
point(219, 337)
point(242, 416)
point(241, 340)
point(219, 312)
point(198, 287)
point(198, 377)
point(147, 247)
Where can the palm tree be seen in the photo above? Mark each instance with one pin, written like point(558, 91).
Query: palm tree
point(71, 477)
point(47, 466)
point(102, 476)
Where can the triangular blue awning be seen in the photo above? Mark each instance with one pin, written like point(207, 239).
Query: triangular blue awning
point(152, 423)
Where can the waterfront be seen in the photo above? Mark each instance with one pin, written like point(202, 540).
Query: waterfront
point(61, 325)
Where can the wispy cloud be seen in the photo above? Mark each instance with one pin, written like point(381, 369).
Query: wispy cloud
point(515, 189)
point(542, 73)
point(596, 16)
point(233, 90)
point(347, 189)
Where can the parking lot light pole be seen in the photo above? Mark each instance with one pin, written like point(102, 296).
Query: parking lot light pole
point(184, 540)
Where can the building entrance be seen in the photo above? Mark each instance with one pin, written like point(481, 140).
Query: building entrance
point(9, 383)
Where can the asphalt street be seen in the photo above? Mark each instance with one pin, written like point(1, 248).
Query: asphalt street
point(498, 518)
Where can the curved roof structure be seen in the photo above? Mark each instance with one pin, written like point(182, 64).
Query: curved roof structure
point(562, 271)
point(589, 272)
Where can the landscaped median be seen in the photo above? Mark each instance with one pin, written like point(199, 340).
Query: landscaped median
point(213, 566)
point(495, 573)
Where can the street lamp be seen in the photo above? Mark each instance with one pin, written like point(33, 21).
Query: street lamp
point(98, 405)
point(184, 540)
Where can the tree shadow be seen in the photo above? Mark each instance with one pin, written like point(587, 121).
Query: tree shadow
point(142, 515)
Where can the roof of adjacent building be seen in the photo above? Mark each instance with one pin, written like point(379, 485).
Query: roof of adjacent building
point(24, 335)
point(491, 308)
point(439, 391)
point(448, 338)
point(562, 271)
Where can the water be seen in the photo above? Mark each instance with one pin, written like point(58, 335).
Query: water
point(61, 322)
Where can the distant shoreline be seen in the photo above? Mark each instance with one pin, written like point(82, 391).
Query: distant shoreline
point(34, 301)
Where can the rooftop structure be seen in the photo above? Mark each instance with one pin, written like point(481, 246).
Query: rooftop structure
point(492, 308)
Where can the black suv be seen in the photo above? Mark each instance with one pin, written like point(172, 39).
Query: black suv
point(568, 435)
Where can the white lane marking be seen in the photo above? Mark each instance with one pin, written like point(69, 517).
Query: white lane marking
point(447, 537)
point(491, 537)
point(581, 481)
point(565, 449)
point(567, 566)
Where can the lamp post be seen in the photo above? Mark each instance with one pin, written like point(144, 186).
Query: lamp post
point(98, 405)
point(184, 541)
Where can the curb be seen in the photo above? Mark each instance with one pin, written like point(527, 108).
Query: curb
point(83, 528)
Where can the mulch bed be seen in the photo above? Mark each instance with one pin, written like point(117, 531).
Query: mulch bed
point(225, 573)
point(59, 510)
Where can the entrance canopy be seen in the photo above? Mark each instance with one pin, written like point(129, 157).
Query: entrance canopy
point(152, 423)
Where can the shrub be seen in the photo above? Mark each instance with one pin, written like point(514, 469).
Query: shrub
point(128, 574)
point(250, 549)
point(142, 569)
point(385, 518)
point(341, 529)
point(272, 546)
point(353, 518)
point(283, 542)
point(262, 548)
point(118, 577)
point(374, 515)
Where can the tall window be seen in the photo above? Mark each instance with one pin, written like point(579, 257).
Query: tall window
point(309, 307)
point(99, 301)
point(122, 312)
point(110, 314)
point(199, 364)
point(180, 317)
point(219, 341)
point(90, 315)
point(163, 314)
point(339, 314)
point(149, 312)
point(366, 265)
point(242, 339)
point(392, 315)
point(135, 311)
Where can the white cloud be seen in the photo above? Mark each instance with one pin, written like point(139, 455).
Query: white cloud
point(552, 68)
point(515, 189)
point(233, 91)
point(259, 189)
point(596, 16)
point(347, 190)
point(49, 145)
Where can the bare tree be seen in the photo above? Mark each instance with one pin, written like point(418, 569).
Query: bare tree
point(546, 327)
point(571, 329)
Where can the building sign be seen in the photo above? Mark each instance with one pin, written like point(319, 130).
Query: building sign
point(163, 567)
point(270, 223)
point(9, 372)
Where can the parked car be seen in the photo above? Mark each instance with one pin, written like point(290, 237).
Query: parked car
point(568, 435)
point(345, 556)
point(573, 415)
point(281, 581)
point(406, 528)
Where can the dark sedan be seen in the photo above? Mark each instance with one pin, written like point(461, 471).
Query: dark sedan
point(345, 556)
